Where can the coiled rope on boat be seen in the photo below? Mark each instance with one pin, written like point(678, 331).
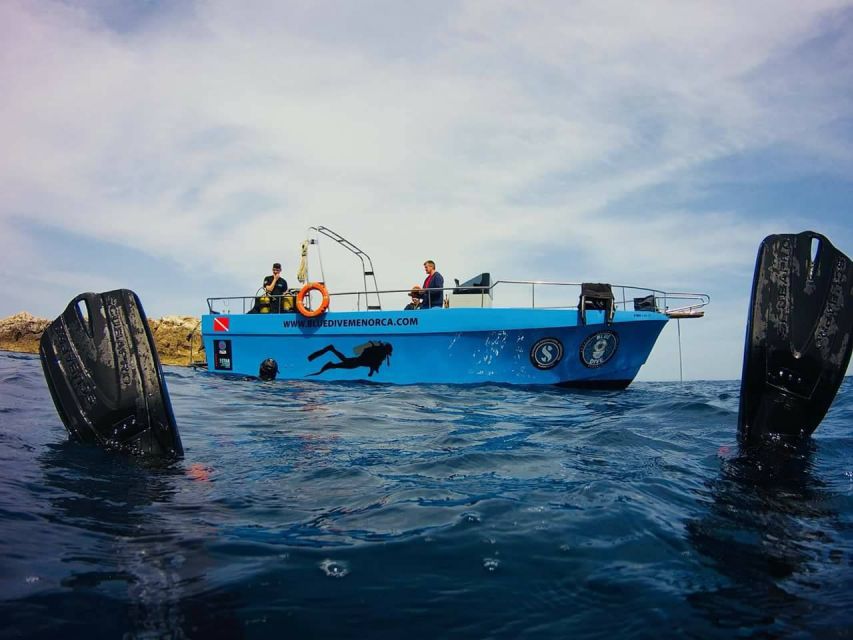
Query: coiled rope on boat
point(302, 271)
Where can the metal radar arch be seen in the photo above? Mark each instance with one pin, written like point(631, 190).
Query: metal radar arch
point(372, 298)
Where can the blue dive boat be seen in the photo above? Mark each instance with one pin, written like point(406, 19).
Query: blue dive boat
point(594, 335)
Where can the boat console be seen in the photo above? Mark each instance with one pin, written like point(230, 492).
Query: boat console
point(473, 293)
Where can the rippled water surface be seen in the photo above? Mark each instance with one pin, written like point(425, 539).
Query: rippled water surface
point(368, 511)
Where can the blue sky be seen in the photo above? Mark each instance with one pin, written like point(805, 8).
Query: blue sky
point(179, 148)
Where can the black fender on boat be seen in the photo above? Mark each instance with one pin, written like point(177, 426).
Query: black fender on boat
point(104, 375)
point(799, 336)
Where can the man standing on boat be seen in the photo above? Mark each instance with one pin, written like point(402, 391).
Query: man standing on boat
point(275, 286)
point(433, 294)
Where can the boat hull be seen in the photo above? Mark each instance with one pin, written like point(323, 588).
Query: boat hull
point(453, 346)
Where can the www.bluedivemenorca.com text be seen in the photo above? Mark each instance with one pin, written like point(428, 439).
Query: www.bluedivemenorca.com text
point(351, 322)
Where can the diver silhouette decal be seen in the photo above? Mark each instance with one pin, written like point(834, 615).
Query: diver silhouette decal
point(370, 354)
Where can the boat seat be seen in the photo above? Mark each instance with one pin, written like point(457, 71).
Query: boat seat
point(476, 285)
point(596, 296)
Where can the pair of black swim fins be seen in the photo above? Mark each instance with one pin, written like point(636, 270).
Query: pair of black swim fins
point(107, 384)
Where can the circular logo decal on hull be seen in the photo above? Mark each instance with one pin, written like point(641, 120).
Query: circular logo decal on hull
point(546, 353)
point(598, 348)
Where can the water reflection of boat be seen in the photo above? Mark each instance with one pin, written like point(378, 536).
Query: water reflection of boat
point(583, 334)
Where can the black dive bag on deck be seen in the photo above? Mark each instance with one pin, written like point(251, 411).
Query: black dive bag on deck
point(105, 377)
point(798, 338)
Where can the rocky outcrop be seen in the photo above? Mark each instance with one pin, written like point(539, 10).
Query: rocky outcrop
point(22, 332)
point(178, 338)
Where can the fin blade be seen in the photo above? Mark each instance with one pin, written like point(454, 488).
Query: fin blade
point(799, 336)
point(105, 376)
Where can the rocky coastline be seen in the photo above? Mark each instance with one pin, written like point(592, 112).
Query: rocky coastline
point(178, 338)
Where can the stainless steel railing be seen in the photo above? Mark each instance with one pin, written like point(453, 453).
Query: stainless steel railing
point(542, 294)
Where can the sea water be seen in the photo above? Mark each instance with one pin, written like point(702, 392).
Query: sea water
point(326, 510)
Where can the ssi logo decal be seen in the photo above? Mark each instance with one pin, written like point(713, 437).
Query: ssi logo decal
point(546, 353)
point(222, 355)
point(598, 348)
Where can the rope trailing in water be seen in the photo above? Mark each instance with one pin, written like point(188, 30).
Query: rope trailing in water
point(680, 368)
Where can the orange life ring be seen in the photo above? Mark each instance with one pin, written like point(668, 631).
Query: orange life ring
point(304, 291)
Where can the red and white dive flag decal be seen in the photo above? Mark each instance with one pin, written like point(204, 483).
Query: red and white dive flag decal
point(221, 324)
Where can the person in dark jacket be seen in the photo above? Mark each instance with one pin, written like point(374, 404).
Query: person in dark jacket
point(415, 296)
point(432, 297)
point(275, 285)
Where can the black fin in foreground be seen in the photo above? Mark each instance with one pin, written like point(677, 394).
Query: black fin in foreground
point(798, 338)
point(105, 377)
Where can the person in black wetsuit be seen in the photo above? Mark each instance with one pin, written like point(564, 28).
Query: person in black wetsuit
point(275, 286)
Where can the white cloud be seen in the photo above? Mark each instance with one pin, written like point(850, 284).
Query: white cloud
point(466, 132)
